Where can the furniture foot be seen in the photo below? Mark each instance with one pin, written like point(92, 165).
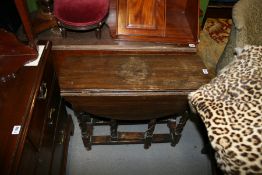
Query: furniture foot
point(149, 133)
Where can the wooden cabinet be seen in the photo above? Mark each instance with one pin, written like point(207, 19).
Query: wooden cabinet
point(167, 21)
point(32, 102)
point(141, 17)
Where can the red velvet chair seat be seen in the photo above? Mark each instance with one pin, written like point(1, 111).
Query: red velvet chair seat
point(80, 13)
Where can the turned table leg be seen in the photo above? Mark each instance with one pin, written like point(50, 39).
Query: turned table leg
point(113, 129)
point(171, 123)
point(86, 125)
point(149, 133)
point(176, 127)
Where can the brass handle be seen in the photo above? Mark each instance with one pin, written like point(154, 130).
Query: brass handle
point(42, 91)
point(50, 116)
point(62, 137)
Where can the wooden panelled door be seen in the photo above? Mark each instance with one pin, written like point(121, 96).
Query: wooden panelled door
point(140, 17)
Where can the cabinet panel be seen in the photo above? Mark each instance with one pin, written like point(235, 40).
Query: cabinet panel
point(166, 21)
point(140, 14)
point(139, 17)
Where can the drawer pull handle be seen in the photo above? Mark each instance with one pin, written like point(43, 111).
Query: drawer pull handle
point(42, 91)
point(62, 138)
point(50, 116)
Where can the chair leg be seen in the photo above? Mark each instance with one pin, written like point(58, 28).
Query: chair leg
point(62, 29)
point(63, 32)
point(149, 133)
point(98, 31)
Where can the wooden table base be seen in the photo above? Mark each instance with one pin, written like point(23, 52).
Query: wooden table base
point(88, 121)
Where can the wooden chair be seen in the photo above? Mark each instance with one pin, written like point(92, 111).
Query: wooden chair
point(81, 14)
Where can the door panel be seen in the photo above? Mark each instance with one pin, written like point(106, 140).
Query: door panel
point(139, 17)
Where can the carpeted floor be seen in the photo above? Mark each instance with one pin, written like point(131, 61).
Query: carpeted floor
point(213, 39)
point(160, 159)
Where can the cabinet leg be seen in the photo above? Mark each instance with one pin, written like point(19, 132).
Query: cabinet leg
point(86, 125)
point(149, 133)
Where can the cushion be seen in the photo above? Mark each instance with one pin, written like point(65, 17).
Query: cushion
point(80, 13)
point(230, 106)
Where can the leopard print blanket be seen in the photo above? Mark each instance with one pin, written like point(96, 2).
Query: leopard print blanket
point(230, 106)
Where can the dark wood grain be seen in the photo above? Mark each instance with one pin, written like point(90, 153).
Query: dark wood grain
point(107, 73)
point(141, 18)
point(165, 21)
point(192, 13)
point(134, 106)
point(135, 87)
point(15, 109)
point(130, 138)
point(31, 151)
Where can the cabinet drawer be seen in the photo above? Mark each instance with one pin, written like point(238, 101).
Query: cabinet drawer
point(47, 142)
point(41, 104)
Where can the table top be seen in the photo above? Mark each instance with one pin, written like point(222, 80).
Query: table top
point(132, 73)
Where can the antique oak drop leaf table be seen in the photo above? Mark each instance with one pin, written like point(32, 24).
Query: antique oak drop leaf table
point(128, 87)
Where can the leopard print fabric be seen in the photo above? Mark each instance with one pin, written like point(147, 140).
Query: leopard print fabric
point(231, 108)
